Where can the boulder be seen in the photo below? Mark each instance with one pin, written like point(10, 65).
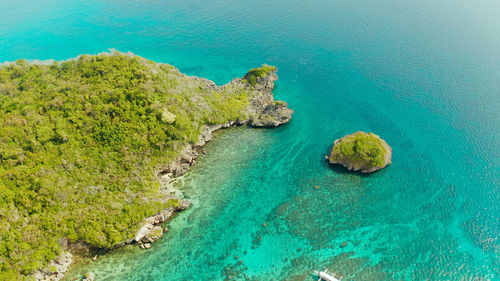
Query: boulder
point(155, 233)
point(144, 230)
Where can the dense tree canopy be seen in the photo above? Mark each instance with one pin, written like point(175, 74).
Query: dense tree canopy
point(80, 142)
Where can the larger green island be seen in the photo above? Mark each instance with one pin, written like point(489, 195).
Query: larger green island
point(87, 145)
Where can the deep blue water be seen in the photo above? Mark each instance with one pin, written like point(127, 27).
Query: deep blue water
point(424, 75)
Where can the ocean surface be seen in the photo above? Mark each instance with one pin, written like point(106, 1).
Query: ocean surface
point(424, 75)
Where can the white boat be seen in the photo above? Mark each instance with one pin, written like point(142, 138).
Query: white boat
point(327, 276)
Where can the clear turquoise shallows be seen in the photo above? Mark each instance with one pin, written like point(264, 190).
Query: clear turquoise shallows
point(424, 75)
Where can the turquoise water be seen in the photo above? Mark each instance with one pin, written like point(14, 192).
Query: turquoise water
point(424, 75)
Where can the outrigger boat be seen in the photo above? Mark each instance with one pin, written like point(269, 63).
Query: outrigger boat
point(328, 276)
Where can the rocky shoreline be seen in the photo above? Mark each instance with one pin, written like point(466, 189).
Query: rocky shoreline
point(262, 111)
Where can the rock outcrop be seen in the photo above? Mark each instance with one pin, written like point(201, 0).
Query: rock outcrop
point(55, 269)
point(150, 230)
point(364, 152)
point(272, 115)
point(262, 111)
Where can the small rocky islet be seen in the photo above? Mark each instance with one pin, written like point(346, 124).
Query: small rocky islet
point(360, 151)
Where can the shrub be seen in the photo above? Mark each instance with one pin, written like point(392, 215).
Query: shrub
point(263, 71)
point(361, 147)
point(79, 143)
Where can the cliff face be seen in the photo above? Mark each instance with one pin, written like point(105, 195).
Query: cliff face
point(263, 110)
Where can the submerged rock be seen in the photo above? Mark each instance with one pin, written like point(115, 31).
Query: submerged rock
point(364, 152)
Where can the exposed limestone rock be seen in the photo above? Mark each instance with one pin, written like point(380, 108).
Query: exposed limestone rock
point(55, 269)
point(155, 234)
point(150, 231)
point(184, 205)
point(262, 111)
